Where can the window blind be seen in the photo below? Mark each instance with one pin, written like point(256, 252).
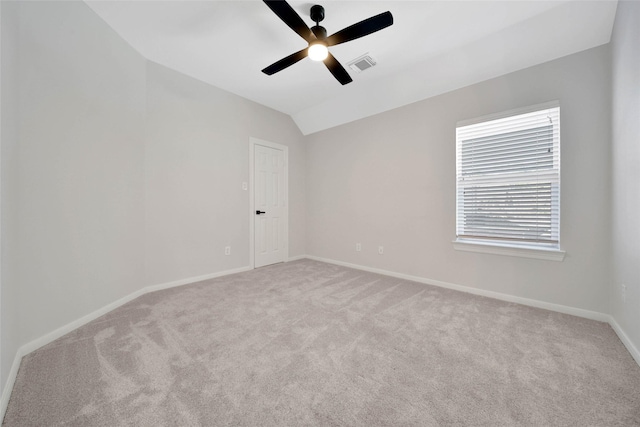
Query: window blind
point(508, 179)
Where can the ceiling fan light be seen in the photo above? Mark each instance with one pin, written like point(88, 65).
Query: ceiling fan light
point(318, 51)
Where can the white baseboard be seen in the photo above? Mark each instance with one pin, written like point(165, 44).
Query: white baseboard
point(46, 339)
point(594, 315)
point(8, 387)
point(625, 339)
point(63, 330)
point(191, 280)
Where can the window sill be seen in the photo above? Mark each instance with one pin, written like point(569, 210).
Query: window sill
point(509, 250)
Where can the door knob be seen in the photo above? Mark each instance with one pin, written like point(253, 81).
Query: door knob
point(259, 212)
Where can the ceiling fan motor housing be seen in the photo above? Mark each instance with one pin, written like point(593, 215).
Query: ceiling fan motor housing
point(319, 32)
point(317, 13)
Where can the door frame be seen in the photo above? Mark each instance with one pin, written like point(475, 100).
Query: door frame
point(252, 145)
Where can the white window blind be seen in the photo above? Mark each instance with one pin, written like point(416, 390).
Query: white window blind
point(508, 179)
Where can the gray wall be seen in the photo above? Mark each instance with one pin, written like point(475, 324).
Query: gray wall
point(197, 156)
point(10, 311)
point(390, 180)
point(82, 112)
point(626, 169)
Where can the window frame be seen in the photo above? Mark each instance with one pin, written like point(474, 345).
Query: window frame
point(500, 246)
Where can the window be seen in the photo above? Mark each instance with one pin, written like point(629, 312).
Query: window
point(508, 179)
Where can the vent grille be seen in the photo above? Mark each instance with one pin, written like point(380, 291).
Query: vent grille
point(362, 63)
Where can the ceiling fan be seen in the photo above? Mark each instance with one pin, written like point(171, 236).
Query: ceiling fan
point(317, 38)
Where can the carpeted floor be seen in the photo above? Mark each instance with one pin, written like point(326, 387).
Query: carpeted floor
point(308, 343)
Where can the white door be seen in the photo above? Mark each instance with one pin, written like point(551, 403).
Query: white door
point(270, 205)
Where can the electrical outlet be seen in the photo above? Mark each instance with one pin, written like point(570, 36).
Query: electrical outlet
point(623, 292)
point(245, 186)
point(358, 247)
point(227, 250)
point(380, 250)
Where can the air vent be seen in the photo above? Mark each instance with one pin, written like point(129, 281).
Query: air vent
point(362, 63)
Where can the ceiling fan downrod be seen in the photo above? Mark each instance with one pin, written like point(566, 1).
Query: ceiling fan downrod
point(317, 15)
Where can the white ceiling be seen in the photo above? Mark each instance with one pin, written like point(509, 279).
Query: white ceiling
point(432, 47)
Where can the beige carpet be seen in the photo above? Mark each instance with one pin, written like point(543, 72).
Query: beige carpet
point(308, 343)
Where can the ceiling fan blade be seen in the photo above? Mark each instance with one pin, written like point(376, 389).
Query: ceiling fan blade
point(361, 29)
point(337, 70)
point(286, 62)
point(291, 18)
